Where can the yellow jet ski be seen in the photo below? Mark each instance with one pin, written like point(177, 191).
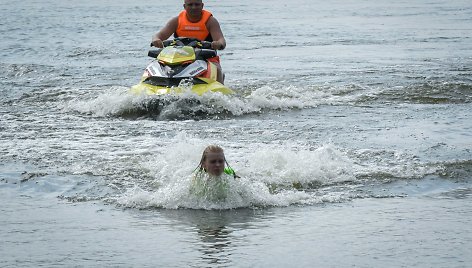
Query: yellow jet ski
point(182, 64)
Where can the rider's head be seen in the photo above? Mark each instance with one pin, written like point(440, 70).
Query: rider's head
point(193, 7)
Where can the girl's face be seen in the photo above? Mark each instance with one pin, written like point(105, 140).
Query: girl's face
point(214, 163)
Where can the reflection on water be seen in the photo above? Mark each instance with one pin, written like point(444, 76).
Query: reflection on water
point(215, 243)
point(214, 235)
point(213, 229)
point(461, 193)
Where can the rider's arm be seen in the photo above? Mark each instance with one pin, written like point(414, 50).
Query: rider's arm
point(165, 32)
point(214, 28)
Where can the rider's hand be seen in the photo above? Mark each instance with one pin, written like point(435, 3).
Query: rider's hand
point(216, 45)
point(157, 43)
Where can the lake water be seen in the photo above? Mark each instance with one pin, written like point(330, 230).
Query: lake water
point(351, 131)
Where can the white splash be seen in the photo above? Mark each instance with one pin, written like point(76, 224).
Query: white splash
point(114, 101)
point(118, 100)
point(174, 186)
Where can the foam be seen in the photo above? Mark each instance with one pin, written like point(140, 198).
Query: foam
point(267, 178)
point(117, 101)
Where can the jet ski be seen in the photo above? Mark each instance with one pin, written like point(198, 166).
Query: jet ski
point(179, 67)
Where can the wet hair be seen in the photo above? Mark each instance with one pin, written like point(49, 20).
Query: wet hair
point(215, 149)
point(209, 149)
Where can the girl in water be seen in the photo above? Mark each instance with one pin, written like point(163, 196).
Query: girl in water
point(208, 181)
point(213, 162)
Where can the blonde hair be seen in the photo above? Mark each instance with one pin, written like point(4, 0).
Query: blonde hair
point(212, 149)
point(209, 149)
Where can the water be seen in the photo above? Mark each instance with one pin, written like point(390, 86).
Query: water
point(350, 131)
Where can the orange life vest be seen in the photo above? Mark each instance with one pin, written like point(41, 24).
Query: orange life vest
point(197, 30)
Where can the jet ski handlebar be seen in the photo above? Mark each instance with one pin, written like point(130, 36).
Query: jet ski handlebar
point(186, 41)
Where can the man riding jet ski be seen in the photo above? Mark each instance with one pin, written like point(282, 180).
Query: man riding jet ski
point(194, 22)
point(186, 58)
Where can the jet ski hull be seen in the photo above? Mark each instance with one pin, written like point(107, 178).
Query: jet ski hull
point(208, 85)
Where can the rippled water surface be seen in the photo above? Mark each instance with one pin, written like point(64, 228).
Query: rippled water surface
point(351, 131)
